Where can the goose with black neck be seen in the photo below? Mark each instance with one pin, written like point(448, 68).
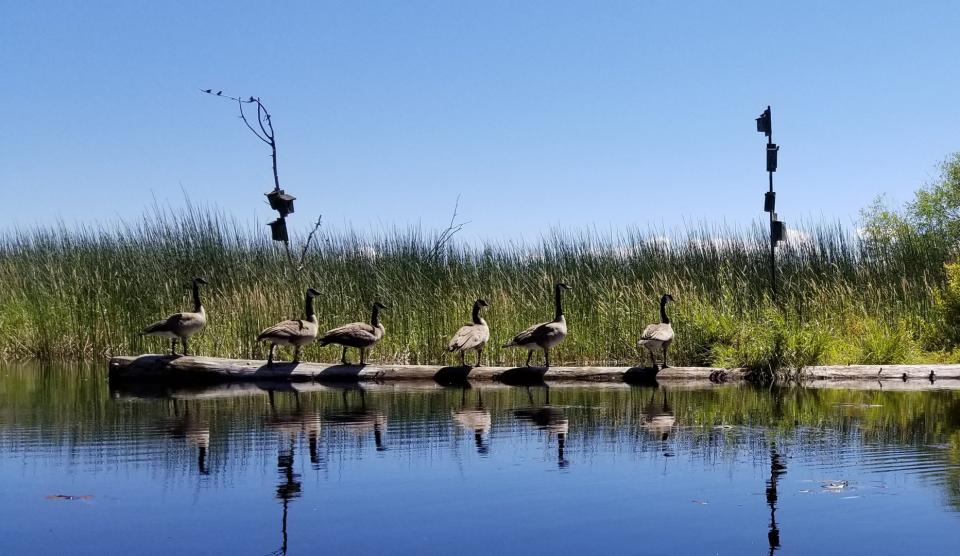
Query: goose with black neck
point(544, 335)
point(296, 333)
point(471, 336)
point(180, 326)
point(658, 336)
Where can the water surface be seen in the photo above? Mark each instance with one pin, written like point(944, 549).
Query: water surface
point(86, 469)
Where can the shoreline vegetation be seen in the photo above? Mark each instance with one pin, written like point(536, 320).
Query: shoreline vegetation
point(87, 292)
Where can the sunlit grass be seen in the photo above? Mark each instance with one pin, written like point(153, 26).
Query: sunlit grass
point(71, 292)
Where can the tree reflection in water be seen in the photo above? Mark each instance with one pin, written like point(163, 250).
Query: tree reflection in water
point(777, 468)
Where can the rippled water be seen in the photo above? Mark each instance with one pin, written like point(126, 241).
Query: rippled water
point(86, 469)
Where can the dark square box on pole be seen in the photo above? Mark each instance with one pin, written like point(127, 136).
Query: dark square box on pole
point(772, 149)
point(278, 229)
point(281, 202)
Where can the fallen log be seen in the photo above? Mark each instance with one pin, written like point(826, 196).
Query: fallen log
point(169, 368)
point(882, 372)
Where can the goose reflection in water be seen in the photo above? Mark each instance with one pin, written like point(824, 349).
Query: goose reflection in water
point(547, 418)
point(358, 419)
point(292, 423)
point(478, 419)
point(289, 487)
point(190, 429)
point(658, 418)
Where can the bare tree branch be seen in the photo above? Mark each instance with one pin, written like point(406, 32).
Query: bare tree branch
point(452, 229)
point(303, 253)
point(263, 115)
point(244, 118)
point(260, 111)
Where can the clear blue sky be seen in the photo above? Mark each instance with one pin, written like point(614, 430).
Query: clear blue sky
point(536, 113)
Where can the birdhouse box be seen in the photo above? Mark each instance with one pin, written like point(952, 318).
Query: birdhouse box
point(278, 230)
point(764, 123)
point(769, 201)
point(772, 149)
point(281, 202)
point(778, 231)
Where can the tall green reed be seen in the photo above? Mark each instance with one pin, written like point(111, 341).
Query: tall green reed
point(87, 291)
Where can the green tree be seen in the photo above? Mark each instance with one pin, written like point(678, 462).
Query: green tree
point(933, 213)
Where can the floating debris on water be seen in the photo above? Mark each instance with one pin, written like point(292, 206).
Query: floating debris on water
point(70, 497)
point(835, 485)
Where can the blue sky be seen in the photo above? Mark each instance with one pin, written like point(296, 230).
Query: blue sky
point(605, 114)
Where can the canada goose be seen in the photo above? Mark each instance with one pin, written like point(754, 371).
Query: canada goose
point(471, 336)
point(358, 335)
point(546, 334)
point(296, 333)
point(658, 335)
point(181, 325)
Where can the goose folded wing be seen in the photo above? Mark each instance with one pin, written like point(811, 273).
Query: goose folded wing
point(285, 329)
point(172, 322)
point(661, 332)
point(532, 334)
point(468, 337)
point(354, 331)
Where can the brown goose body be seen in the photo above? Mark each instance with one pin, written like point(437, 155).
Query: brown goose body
point(359, 335)
point(291, 332)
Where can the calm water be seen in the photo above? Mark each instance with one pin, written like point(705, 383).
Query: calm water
point(86, 469)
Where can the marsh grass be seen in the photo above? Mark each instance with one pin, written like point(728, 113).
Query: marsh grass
point(87, 291)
